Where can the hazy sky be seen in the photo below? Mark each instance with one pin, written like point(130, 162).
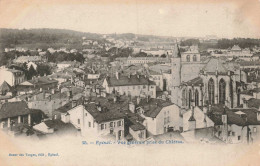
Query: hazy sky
point(169, 18)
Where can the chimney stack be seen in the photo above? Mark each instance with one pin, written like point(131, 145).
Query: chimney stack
point(138, 100)
point(115, 99)
point(117, 75)
point(74, 103)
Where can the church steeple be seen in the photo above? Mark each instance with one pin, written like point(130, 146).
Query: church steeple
point(176, 75)
point(176, 52)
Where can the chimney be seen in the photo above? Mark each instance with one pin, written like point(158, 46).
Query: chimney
point(117, 75)
point(115, 99)
point(147, 99)
point(245, 104)
point(132, 107)
point(138, 100)
point(258, 114)
point(74, 103)
point(99, 108)
point(192, 121)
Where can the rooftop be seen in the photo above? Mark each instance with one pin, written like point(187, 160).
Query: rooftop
point(129, 81)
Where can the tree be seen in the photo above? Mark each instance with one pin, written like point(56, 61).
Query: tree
point(32, 72)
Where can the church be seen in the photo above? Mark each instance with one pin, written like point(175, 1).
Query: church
point(204, 83)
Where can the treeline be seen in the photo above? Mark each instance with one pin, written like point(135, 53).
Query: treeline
point(223, 43)
point(63, 56)
point(242, 42)
point(42, 37)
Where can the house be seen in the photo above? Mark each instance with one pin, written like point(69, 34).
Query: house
point(11, 76)
point(157, 78)
point(133, 85)
point(5, 89)
point(27, 59)
point(64, 64)
point(16, 113)
point(238, 125)
point(160, 116)
point(35, 83)
point(56, 127)
point(98, 117)
point(196, 118)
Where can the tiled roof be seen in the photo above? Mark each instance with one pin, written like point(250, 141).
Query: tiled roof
point(13, 109)
point(153, 107)
point(236, 48)
point(196, 82)
point(254, 103)
point(68, 106)
point(41, 81)
point(110, 110)
point(214, 65)
point(29, 58)
point(233, 118)
point(126, 81)
point(5, 87)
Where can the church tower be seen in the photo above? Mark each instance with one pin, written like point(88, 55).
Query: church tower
point(176, 75)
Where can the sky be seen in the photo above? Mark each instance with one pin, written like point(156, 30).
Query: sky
point(196, 18)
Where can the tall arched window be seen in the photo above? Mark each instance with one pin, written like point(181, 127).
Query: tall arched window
point(196, 97)
point(222, 91)
point(188, 58)
point(184, 97)
point(238, 97)
point(211, 91)
point(194, 58)
point(190, 98)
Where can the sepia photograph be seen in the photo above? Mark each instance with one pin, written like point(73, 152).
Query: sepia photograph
point(129, 83)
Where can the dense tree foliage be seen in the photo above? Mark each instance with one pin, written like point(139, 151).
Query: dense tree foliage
point(242, 42)
point(190, 42)
point(43, 38)
point(63, 56)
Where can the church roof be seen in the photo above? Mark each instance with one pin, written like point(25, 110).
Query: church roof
point(195, 82)
point(214, 65)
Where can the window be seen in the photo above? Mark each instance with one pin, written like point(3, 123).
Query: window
point(233, 133)
point(211, 91)
point(238, 137)
point(190, 98)
point(111, 124)
point(119, 123)
point(254, 129)
point(102, 126)
point(86, 114)
point(196, 97)
point(222, 91)
point(89, 124)
point(144, 86)
point(78, 121)
point(141, 134)
point(111, 131)
point(183, 97)
point(188, 58)
point(194, 58)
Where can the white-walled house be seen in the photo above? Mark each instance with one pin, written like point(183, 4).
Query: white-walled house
point(95, 120)
point(11, 76)
point(133, 85)
point(200, 117)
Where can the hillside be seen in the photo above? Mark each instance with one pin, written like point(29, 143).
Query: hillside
point(43, 38)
